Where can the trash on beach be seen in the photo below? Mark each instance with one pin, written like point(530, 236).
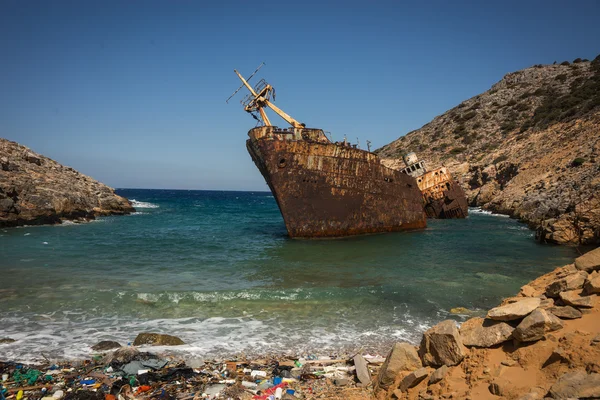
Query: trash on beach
point(127, 374)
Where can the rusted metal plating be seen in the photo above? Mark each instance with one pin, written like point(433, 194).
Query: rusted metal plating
point(325, 189)
point(442, 196)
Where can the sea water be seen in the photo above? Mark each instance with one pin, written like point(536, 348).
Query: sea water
point(217, 270)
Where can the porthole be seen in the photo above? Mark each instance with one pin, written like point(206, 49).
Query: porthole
point(282, 163)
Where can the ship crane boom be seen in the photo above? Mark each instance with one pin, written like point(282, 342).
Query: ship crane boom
point(260, 98)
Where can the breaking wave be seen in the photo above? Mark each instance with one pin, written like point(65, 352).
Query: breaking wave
point(143, 204)
point(478, 210)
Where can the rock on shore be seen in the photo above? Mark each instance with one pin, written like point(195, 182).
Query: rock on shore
point(36, 190)
point(545, 349)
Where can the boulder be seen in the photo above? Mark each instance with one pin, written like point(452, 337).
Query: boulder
point(576, 385)
point(438, 375)
point(574, 298)
point(570, 282)
point(362, 371)
point(546, 303)
point(442, 345)
point(566, 312)
point(402, 357)
point(106, 345)
point(528, 291)
point(7, 340)
point(514, 310)
point(589, 261)
point(479, 332)
point(413, 379)
point(592, 284)
point(535, 325)
point(157, 339)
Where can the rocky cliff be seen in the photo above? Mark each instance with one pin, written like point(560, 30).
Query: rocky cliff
point(528, 147)
point(37, 190)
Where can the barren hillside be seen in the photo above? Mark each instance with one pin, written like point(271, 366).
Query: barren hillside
point(528, 147)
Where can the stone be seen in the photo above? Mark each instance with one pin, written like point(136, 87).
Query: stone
point(566, 312)
point(402, 357)
point(528, 291)
point(509, 363)
point(574, 298)
point(575, 385)
point(479, 332)
point(514, 310)
point(157, 339)
point(546, 303)
point(592, 284)
point(571, 282)
point(536, 325)
point(362, 371)
point(123, 355)
point(589, 262)
point(442, 345)
point(7, 340)
point(438, 375)
point(495, 389)
point(340, 382)
point(413, 379)
point(106, 345)
point(558, 355)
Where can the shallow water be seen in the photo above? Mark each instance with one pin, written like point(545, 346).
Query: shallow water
point(217, 270)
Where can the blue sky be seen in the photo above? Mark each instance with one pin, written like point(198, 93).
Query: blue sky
point(133, 93)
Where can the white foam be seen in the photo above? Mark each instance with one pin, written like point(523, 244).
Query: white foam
point(143, 204)
point(69, 335)
point(477, 210)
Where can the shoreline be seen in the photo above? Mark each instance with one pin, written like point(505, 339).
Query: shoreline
point(482, 359)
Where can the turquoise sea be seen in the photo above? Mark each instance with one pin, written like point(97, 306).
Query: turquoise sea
point(217, 270)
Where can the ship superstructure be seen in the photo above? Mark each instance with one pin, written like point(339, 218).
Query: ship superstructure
point(442, 195)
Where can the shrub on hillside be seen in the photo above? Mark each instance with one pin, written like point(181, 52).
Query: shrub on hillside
point(577, 162)
point(501, 158)
point(457, 150)
point(561, 77)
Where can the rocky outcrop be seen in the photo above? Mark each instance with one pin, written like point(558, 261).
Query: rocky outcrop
point(576, 385)
point(157, 339)
point(534, 355)
point(528, 147)
point(536, 325)
point(516, 310)
point(442, 345)
point(402, 357)
point(36, 190)
point(479, 332)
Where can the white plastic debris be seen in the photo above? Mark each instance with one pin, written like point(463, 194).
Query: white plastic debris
point(256, 373)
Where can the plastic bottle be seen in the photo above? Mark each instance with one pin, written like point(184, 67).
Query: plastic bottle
point(278, 393)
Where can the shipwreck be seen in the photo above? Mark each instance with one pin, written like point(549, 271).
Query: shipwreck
point(333, 189)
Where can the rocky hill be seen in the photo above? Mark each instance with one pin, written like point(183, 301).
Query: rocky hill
point(37, 190)
point(528, 147)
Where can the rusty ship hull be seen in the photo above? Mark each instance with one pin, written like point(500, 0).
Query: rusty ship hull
point(443, 197)
point(326, 189)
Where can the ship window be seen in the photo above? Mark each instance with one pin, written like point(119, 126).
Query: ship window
point(282, 163)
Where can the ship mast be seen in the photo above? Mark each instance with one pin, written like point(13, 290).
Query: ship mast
point(260, 98)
